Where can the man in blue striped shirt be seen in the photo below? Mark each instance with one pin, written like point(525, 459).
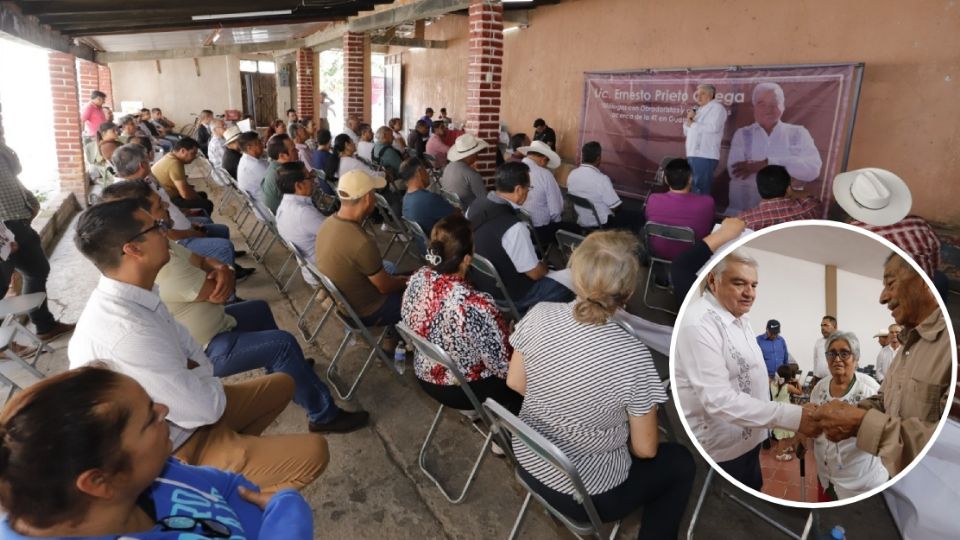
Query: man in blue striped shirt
point(774, 347)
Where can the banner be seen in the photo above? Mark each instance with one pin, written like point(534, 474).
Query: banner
point(801, 122)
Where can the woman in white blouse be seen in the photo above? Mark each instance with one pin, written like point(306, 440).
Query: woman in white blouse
point(843, 470)
point(591, 389)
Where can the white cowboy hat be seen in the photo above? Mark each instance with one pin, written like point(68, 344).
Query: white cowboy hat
point(873, 196)
point(466, 145)
point(231, 134)
point(543, 148)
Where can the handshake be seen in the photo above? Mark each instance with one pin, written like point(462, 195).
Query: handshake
point(836, 419)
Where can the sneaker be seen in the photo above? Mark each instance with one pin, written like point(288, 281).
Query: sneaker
point(345, 422)
point(496, 450)
point(58, 330)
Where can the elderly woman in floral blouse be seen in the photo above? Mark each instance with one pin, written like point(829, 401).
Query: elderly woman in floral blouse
point(440, 305)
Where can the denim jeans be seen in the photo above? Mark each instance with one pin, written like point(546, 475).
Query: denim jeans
point(257, 343)
point(217, 248)
point(544, 290)
point(702, 174)
point(32, 264)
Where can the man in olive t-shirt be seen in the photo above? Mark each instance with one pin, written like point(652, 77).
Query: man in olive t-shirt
point(350, 258)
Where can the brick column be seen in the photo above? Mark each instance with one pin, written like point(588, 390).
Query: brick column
point(88, 78)
point(66, 123)
point(354, 62)
point(484, 76)
point(305, 82)
point(105, 85)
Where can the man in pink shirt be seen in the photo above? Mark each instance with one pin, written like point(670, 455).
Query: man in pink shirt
point(679, 207)
point(92, 114)
point(436, 147)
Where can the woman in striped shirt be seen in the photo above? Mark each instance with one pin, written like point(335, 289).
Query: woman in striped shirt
point(592, 390)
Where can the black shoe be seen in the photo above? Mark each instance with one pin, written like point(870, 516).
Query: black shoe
point(242, 273)
point(237, 253)
point(345, 422)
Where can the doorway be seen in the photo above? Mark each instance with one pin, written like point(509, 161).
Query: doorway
point(258, 85)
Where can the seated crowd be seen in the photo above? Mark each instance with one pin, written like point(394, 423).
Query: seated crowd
point(148, 412)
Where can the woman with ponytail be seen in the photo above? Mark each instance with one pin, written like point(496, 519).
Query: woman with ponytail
point(443, 308)
point(591, 389)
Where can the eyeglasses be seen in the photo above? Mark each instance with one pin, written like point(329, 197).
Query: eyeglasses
point(844, 355)
point(209, 527)
point(157, 224)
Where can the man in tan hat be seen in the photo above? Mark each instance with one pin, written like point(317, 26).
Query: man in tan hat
point(351, 258)
point(459, 176)
point(545, 202)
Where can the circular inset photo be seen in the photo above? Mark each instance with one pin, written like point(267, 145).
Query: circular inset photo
point(813, 363)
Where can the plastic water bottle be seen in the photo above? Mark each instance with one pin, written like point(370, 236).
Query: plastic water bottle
point(400, 359)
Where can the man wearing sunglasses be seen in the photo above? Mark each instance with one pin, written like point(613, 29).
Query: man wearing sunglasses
point(127, 326)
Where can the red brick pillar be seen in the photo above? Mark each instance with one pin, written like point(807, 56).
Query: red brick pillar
point(305, 82)
point(66, 123)
point(88, 78)
point(354, 61)
point(484, 76)
point(105, 85)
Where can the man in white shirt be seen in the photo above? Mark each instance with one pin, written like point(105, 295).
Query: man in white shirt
point(721, 377)
point(352, 128)
point(768, 141)
point(889, 351)
point(703, 129)
point(365, 146)
point(545, 201)
point(126, 326)
point(252, 168)
point(828, 325)
point(298, 220)
point(218, 143)
point(589, 182)
point(501, 237)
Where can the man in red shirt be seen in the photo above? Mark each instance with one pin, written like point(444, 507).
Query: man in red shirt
point(779, 203)
point(92, 114)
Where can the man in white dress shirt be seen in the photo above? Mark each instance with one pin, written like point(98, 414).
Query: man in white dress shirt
point(828, 325)
point(589, 182)
point(768, 141)
point(298, 220)
point(721, 377)
point(126, 325)
point(889, 351)
point(703, 129)
point(545, 200)
point(252, 167)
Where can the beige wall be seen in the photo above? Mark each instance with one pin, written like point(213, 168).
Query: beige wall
point(178, 90)
point(907, 120)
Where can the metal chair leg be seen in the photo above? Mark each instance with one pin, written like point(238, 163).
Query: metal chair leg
point(517, 523)
point(696, 509)
point(422, 461)
point(363, 369)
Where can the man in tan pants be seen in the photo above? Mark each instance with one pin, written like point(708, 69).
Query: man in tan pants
point(126, 326)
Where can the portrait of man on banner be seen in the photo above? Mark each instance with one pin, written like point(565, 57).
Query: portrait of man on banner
point(768, 141)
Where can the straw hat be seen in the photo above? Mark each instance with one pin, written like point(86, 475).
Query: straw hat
point(873, 196)
point(466, 145)
point(543, 148)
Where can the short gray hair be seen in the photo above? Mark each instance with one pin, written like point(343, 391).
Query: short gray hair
point(851, 340)
point(735, 256)
point(381, 134)
point(769, 87)
point(127, 159)
point(709, 88)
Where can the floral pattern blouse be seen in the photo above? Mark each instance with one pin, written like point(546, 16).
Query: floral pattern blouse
point(446, 311)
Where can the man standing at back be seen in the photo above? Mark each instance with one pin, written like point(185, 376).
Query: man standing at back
point(889, 351)
point(544, 133)
point(92, 114)
point(703, 129)
point(828, 325)
point(773, 347)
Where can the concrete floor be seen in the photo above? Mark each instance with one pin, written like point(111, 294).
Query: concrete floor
point(373, 487)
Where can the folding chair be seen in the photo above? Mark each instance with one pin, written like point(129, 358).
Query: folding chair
point(667, 232)
point(416, 231)
point(586, 204)
point(568, 241)
point(266, 227)
point(453, 199)
point(440, 356)
point(487, 270)
point(397, 230)
point(10, 309)
point(310, 275)
point(353, 325)
point(504, 421)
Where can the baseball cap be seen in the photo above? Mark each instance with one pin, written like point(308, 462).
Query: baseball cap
point(773, 325)
point(356, 184)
